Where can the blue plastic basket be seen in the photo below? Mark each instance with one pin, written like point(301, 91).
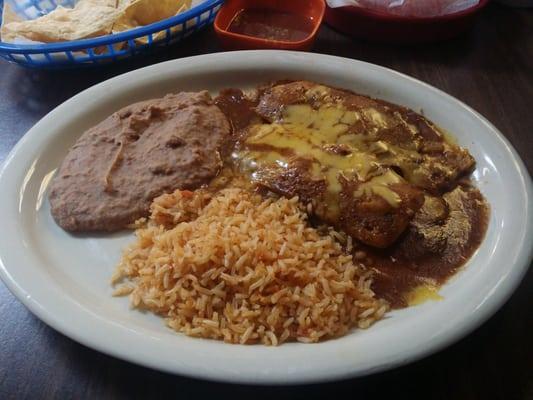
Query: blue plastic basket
point(105, 49)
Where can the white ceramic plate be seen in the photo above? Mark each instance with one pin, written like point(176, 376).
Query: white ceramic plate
point(63, 279)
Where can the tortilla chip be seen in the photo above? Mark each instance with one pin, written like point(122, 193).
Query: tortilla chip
point(103, 3)
point(8, 16)
point(87, 19)
point(155, 36)
point(92, 18)
point(145, 12)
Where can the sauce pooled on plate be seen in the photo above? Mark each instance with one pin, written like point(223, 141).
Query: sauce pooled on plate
point(379, 172)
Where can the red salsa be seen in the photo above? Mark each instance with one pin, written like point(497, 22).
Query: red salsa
point(271, 25)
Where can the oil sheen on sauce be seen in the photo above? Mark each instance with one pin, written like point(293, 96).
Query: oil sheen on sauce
point(403, 275)
point(271, 25)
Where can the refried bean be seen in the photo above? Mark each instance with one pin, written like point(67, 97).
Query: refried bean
point(114, 171)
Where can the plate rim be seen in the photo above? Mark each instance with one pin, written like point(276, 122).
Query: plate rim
point(486, 310)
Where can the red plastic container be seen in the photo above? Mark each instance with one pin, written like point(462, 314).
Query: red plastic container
point(375, 25)
point(312, 9)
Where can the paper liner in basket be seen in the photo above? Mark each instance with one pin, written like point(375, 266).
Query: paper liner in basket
point(409, 8)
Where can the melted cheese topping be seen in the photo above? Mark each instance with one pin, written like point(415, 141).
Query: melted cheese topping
point(423, 293)
point(377, 118)
point(327, 136)
point(379, 186)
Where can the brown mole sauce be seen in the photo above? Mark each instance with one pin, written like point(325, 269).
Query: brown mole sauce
point(405, 266)
point(240, 113)
point(271, 25)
